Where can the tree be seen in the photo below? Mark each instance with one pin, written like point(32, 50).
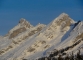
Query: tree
point(79, 56)
point(60, 57)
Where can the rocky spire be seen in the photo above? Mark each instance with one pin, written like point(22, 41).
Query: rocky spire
point(25, 23)
point(21, 27)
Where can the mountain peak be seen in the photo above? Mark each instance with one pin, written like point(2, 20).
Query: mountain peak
point(63, 18)
point(24, 22)
point(25, 42)
point(22, 26)
point(63, 14)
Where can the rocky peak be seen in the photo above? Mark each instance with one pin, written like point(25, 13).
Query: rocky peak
point(21, 27)
point(64, 17)
point(22, 20)
point(63, 20)
point(25, 23)
point(39, 24)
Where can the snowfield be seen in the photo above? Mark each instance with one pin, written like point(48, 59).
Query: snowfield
point(26, 41)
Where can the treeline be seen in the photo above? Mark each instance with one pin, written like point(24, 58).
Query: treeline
point(53, 56)
point(61, 55)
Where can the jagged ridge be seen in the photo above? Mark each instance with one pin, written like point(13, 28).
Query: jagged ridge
point(29, 42)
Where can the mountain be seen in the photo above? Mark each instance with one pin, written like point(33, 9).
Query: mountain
point(26, 41)
point(22, 26)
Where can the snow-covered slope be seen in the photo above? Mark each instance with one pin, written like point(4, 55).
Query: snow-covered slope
point(26, 41)
point(22, 26)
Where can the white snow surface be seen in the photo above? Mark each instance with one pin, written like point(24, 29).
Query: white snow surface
point(52, 36)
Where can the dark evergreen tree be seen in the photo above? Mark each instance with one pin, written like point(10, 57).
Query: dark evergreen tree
point(79, 56)
point(67, 57)
point(60, 57)
point(72, 56)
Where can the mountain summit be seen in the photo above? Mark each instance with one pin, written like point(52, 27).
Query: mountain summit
point(61, 37)
point(63, 18)
point(24, 23)
point(22, 26)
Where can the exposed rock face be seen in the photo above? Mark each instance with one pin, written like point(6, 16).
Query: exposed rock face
point(32, 42)
point(22, 26)
point(64, 21)
point(23, 22)
point(16, 32)
point(34, 31)
point(79, 37)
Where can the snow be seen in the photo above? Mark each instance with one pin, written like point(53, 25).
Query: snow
point(50, 37)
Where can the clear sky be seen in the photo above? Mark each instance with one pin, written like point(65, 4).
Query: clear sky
point(36, 11)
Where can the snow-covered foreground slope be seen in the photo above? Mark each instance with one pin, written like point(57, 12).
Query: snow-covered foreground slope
point(27, 42)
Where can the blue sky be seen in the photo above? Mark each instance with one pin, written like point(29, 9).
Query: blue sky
point(36, 11)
